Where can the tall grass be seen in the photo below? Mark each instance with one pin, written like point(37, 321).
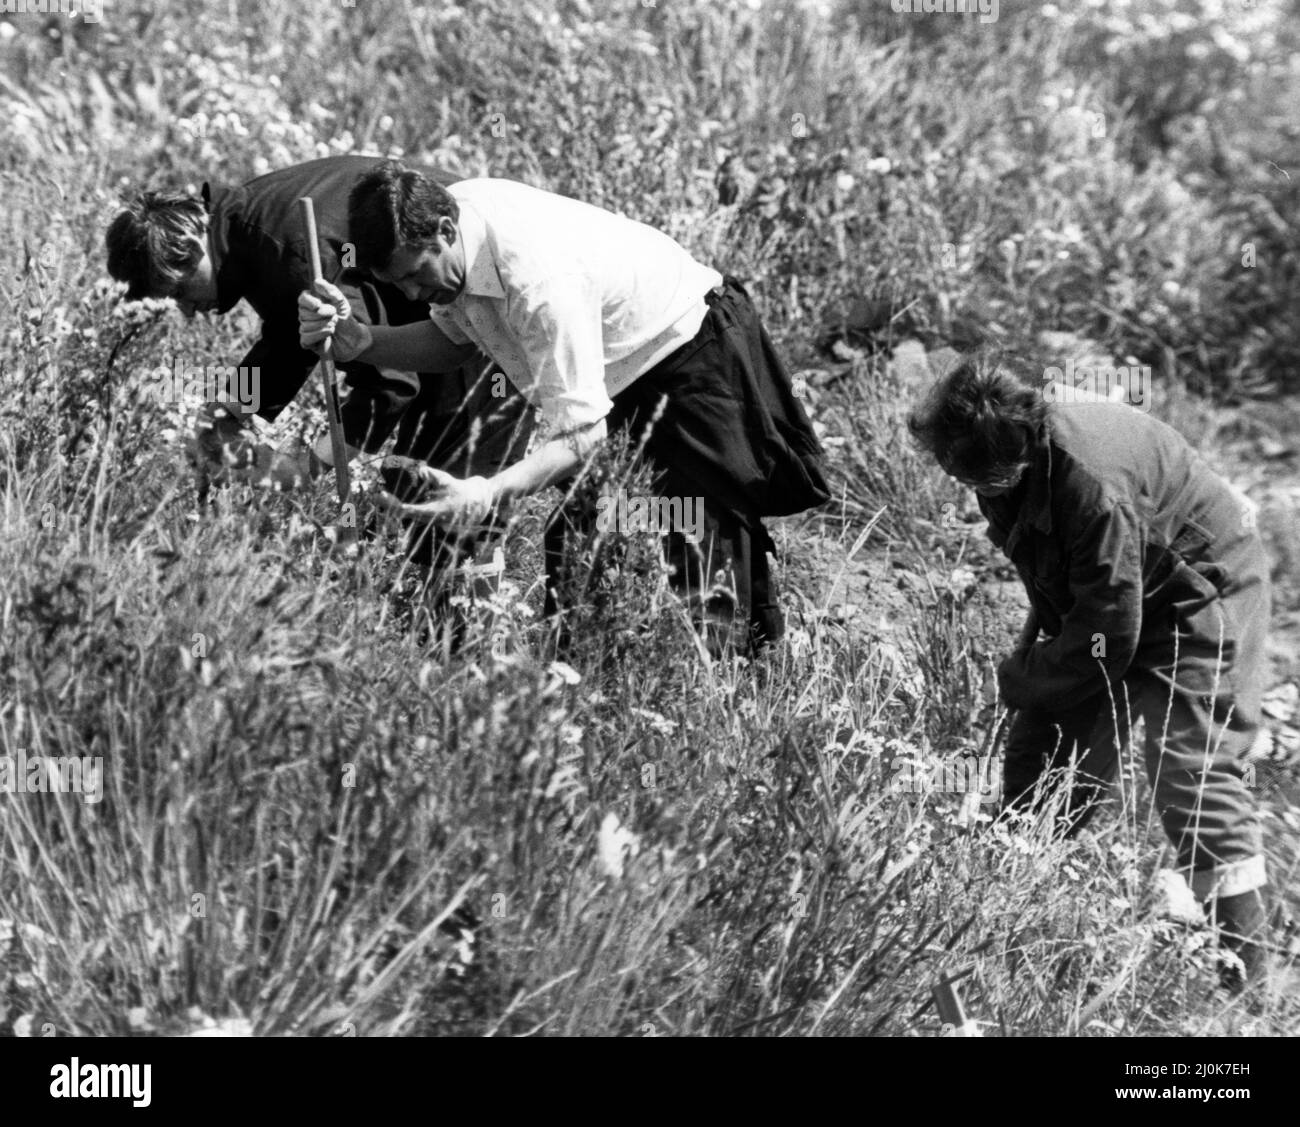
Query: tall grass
point(317, 821)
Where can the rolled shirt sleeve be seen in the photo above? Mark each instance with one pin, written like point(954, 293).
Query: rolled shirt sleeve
point(1099, 633)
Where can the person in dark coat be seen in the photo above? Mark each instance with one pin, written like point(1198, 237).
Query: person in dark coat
point(607, 325)
point(248, 243)
point(1149, 581)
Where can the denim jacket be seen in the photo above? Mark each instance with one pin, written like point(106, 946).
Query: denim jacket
point(1117, 522)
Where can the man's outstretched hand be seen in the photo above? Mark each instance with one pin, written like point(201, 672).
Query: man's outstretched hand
point(327, 315)
point(432, 496)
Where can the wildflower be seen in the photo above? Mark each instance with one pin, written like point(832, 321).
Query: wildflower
point(616, 844)
point(660, 723)
point(564, 672)
point(962, 581)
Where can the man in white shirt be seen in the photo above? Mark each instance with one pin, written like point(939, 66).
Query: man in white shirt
point(605, 324)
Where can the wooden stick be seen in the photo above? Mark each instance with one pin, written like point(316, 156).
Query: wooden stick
point(338, 447)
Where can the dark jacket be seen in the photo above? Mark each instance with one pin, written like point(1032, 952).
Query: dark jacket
point(1117, 524)
point(259, 253)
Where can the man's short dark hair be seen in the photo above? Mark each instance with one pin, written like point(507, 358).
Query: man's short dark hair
point(981, 419)
point(156, 243)
point(393, 206)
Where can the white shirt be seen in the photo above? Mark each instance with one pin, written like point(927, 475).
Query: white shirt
point(574, 302)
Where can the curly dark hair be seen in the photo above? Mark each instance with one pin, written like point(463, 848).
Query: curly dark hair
point(392, 206)
point(981, 419)
point(156, 243)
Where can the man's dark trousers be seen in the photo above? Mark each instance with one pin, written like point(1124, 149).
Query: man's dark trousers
point(724, 425)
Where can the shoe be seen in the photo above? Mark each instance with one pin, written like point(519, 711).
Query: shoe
point(1259, 961)
point(1242, 924)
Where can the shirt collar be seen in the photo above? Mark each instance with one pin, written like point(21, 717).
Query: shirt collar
point(481, 276)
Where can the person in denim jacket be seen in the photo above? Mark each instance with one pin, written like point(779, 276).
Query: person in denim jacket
point(1149, 584)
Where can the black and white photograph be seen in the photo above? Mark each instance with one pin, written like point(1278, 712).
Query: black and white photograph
point(650, 519)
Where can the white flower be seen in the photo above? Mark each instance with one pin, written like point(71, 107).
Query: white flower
point(565, 673)
point(844, 182)
point(658, 722)
point(962, 579)
point(882, 166)
point(616, 844)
